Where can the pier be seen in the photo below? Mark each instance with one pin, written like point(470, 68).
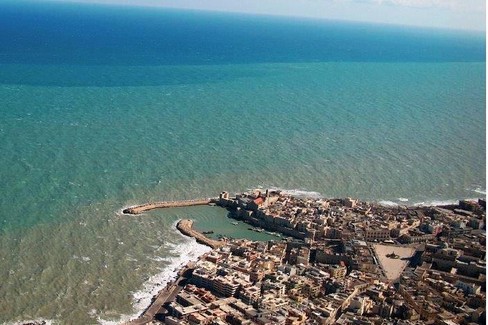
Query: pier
point(185, 226)
point(166, 204)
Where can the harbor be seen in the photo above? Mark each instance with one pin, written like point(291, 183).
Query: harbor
point(226, 283)
point(138, 209)
point(185, 226)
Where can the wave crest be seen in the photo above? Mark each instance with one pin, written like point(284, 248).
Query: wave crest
point(298, 193)
point(436, 203)
point(183, 253)
point(39, 321)
point(387, 203)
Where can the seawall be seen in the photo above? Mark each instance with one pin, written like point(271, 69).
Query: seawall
point(169, 292)
point(185, 226)
point(166, 204)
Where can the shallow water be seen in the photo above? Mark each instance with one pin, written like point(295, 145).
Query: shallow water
point(82, 139)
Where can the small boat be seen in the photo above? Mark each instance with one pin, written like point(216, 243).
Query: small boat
point(208, 232)
point(235, 223)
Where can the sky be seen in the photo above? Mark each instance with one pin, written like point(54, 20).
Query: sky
point(452, 14)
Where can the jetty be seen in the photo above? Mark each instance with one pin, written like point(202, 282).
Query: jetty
point(185, 226)
point(138, 209)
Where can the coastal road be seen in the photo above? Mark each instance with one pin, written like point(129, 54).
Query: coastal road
point(166, 295)
point(169, 293)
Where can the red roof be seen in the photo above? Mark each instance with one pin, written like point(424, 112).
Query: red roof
point(259, 201)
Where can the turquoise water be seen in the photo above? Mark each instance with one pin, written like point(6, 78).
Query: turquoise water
point(74, 156)
point(82, 137)
point(416, 132)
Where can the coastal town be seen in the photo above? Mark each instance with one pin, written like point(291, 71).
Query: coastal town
point(336, 261)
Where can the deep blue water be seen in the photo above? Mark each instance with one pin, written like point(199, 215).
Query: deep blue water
point(53, 33)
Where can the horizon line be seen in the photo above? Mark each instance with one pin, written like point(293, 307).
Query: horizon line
point(248, 13)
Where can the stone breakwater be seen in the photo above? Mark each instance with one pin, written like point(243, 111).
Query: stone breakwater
point(166, 204)
point(185, 226)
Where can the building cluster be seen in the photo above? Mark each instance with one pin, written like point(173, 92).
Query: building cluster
point(327, 270)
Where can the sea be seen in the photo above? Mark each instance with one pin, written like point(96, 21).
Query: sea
point(104, 107)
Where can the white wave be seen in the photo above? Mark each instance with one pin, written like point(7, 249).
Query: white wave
point(123, 319)
point(157, 259)
point(120, 212)
point(298, 193)
point(402, 199)
point(479, 190)
point(436, 203)
point(387, 203)
point(190, 250)
point(83, 258)
point(187, 252)
point(35, 321)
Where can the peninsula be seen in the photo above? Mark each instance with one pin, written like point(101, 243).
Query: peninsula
point(342, 261)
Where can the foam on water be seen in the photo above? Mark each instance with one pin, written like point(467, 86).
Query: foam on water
point(384, 128)
point(183, 253)
point(402, 201)
point(480, 190)
point(436, 203)
point(300, 193)
point(387, 203)
point(39, 321)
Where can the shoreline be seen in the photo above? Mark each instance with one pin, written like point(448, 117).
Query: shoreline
point(185, 227)
point(399, 202)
